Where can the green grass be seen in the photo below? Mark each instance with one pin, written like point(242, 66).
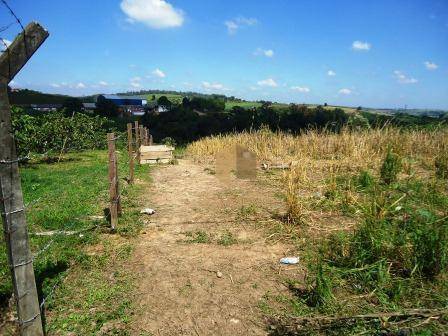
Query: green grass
point(198, 237)
point(64, 196)
point(396, 258)
point(227, 239)
point(244, 104)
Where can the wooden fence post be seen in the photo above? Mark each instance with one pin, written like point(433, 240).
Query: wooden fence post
point(112, 181)
point(146, 136)
point(12, 208)
point(131, 155)
point(117, 180)
point(137, 141)
point(150, 140)
point(142, 138)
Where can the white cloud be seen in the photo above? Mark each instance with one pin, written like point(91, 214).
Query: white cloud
point(80, 85)
point(157, 14)
point(135, 82)
point(103, 83)
point(331, 73)
point(302, 89)
point(264, 52)
point(159, 73)
point(214, 86)
point(361, 46)
point(345, 92)
point(267, 82)
point(241, 21)
point(55, 85)
point(403, 79)
point(431, 65)
point(232, 27)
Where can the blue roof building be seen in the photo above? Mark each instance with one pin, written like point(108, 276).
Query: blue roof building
point(123, 100)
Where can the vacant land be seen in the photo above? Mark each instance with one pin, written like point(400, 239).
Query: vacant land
point(367, 213)
point(364, 210)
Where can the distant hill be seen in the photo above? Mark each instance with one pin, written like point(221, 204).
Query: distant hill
point(27, 97)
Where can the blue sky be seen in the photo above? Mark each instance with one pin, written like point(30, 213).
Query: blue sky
point(346, 52)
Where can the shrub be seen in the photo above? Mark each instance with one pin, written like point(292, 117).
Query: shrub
point(415, 243)
point(391, 167)
point(358, 122)
point(49, 131)
point(321, 295)
point(365, 180)
point(169, 142)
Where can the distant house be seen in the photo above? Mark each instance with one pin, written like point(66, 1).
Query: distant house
point(130, 105)
point(89, 106)
point(153, 107)
point(46, 107)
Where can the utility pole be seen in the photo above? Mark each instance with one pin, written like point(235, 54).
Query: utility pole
point(11, 198)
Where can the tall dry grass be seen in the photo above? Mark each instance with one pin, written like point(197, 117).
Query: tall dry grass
point(320, 156)
point(348, 149)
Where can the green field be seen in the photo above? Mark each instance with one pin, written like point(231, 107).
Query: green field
point(66, 196)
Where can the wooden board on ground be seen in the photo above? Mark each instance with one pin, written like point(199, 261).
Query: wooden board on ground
point(156, 154)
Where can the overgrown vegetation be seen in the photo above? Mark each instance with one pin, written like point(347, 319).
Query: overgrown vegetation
point(52, 131)
point(373, 225)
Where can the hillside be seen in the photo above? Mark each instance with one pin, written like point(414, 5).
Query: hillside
point(27, 97)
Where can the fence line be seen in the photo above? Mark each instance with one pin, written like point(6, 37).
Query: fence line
point(115, 208)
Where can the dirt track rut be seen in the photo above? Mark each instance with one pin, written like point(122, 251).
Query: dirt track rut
point(180, 291)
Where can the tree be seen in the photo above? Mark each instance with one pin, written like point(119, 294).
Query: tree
point(71, 105)
point(164, 101)
point(185, 102)
point(106, 107)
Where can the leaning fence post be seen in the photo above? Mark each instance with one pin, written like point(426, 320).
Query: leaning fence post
point(112, 181)
point(131, 155)
point(12, 208)
point(137, 140)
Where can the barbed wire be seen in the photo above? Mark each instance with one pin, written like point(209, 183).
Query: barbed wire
point(12, 13)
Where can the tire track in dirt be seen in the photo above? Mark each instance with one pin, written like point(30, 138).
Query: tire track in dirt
point(179, 291)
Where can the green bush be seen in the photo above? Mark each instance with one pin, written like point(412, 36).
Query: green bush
point(365, 180)
point(414, 243)
point(46, 132)
point(391, 167)
point(320, 295)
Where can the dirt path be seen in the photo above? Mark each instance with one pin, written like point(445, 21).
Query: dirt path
point(198, 230)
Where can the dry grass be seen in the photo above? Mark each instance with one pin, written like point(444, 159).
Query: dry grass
point(351, 150)
point(368, 208)
point(319, 157)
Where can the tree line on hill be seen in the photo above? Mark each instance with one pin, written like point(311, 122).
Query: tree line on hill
point(185, 124)
point(193, 118)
